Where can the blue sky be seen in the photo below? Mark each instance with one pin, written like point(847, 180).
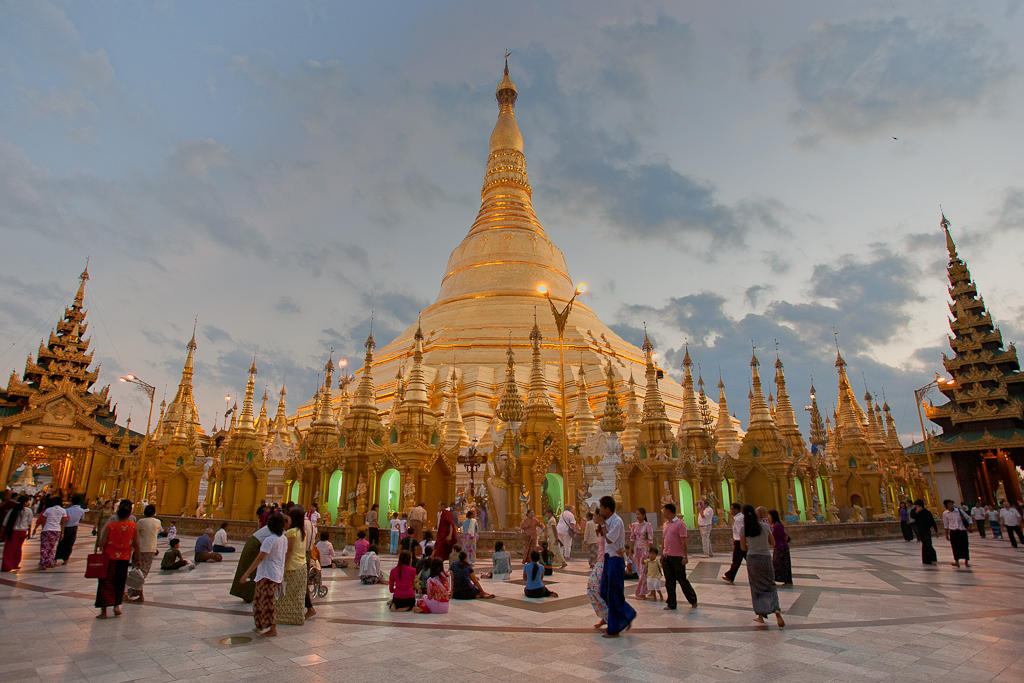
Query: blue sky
point(724, 173)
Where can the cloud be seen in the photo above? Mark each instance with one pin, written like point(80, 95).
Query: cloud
point(1010, 215)
point(753, 294)
point(287, 304)
point(215, 334)
point(858, 77)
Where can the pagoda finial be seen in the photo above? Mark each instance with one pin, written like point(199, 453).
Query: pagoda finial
point(247, 422)
point(950, 245)
point(510, 405)
point(612, 420)
point(506, 134)
point(80, 294)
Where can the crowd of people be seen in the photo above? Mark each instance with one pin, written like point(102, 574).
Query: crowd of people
point(916, 521)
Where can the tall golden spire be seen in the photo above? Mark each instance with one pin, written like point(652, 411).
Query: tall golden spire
point(183, 400)
point(455, 434)
point(246, 423)
point(416, 387)
point(510, 405)
point(261, 421)
point(634, 416)
point(611, 420)
point(785, 417)
point(654, 406)
point(847, 423)
point(583, 422)
point(950, 245)
point(689, 421)
point(537, 396)
point(80, 294)
point(281, 418)
point(819, 436)
point(727, 439)
point(759, 413)
point(364, 396)
point(874, 432)
point(325, 410)
point(892, 439)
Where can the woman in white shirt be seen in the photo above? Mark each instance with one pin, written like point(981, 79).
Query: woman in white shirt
point(54, 517)
point(16, 524)
point(269, 568)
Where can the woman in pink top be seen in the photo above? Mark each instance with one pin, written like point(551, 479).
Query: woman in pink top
point(401, 584)
point(438, 593)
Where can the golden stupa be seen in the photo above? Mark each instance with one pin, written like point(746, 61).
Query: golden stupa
point(489, 296)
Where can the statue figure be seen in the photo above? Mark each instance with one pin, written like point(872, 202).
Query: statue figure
point(360, 495)
point(497, 490)
point(582, 494)
point(409, 493)
point(833, 513)
point(858, 514)
point(524, 499)
point(789, 503)
point(815, 503)
point(666, 495)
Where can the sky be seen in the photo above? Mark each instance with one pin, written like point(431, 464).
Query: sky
point(728, 173)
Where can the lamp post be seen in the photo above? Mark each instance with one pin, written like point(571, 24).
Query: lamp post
point(151, 392)
point(561, 317)
point(472, 460)
point(919, 395)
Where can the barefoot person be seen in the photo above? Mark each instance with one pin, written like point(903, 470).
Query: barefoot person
point(674, 557)
point(117, 541)
point(620, 613)
point(269, 567)
point(757, 543)
point(955, 522)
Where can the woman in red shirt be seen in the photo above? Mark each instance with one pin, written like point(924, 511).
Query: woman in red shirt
point(400, 583)
point(117, 541)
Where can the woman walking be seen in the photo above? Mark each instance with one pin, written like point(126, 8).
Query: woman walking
point(924, 522)
point(290, 607)
point(757, 542)
point(780, 551)
point(594, 581)
point(551, 536)
point(16, 524)
point(905, 525)
point(470, 533)
point(117, 541)
point(269, 565)
point(54, 517)
point(641, 537)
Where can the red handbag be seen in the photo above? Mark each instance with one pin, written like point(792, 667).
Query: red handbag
point(96, 566)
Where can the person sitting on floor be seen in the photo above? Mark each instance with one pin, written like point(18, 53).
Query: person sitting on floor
point(172, 560)
point(361, 546)
point(533, 575)
point(220, 540)
point(328, 556)
point(423, 571)
point(465, 585)
point(400, 583)
point(369, 567)
point(438, 591)
point(204, 548)
point(547, 559)
point(502, 559)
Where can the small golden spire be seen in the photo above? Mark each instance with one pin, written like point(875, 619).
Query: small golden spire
point(950, 245)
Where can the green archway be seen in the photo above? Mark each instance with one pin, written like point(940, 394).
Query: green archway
point(388, 500)
point(334, 495)
point(801, 505)
point(821, 496)
point(686, 501)
point(555, 488)
point(296, 487)
point(726, 498)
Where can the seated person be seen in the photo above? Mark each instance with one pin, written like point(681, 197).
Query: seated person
point(204, 548)
point(465, 585)
point(438, 592)
point(400, 583)
point(502, 569)
point(533, 574)
point(453, 556)
point(328, 556)
point(361, 546)
point(369, 567)
point(546, 559)
point(220, 540)
point(423, 571)
point(172, 560)
point(428, 541)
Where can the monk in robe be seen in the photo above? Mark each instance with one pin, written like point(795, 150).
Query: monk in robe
point(446, 534)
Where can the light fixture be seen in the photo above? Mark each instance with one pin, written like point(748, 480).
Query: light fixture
point(581, 287)
point(543, 289)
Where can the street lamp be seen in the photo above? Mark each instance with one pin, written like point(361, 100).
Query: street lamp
point(919, 395)
point(472, 460)
point(561, 317)
point(151, 392)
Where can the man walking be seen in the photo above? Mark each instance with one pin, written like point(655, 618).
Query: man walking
point(705, 518)
point(674, 557)
point(620, 613)
point(737, 552)
point(1010, 517)
point(978, 515)
point(146, 530)
point(565, 529)
point(955, 522)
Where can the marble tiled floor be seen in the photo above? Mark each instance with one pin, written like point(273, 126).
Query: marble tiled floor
point(866, 611)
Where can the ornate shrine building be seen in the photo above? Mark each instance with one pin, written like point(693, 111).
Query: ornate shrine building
point(982, 439)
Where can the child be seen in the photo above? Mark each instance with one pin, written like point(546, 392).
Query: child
point(438, 592)
point(653, 574)
point(502, 569)
point(369, 567)
point(547, 559)
point(533, 575)
point(396, 532)
point(172, 532)
point(172, 560)
point(428, 541)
